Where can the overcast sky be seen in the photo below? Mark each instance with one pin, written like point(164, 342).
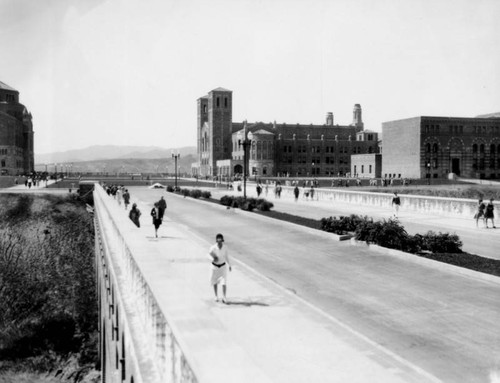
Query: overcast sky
point(129, 72)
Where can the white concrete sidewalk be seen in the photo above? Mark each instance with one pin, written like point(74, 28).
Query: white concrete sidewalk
point(264, 333)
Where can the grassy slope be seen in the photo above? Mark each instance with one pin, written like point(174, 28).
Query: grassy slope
point(47, 288)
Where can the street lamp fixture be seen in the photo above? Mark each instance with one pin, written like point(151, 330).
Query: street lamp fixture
point(428, 166)
point(244, 140)
point(175, 157)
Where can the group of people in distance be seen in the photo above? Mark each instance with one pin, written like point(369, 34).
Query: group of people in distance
point(486, 212)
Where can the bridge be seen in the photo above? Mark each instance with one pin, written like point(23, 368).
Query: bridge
point(302, 307)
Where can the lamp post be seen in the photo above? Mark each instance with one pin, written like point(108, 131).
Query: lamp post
point(244, 140)
point(175, 157)
point(428, 166)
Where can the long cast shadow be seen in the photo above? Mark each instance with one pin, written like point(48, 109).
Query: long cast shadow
point(245, 303)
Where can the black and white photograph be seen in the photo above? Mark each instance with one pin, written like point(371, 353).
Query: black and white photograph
point(242, 191)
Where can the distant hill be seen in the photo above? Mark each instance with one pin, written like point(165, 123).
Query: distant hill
point(117, 159)
point(489, 115)
point(105, 152)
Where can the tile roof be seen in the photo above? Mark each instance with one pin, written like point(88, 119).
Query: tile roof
point(6, 87)
point(221, 90)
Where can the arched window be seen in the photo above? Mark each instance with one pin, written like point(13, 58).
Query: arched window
point(481, 148)
point(435, 148)
point(474, 148)
point(3, 163)
point(428, 148)
point(492, 149)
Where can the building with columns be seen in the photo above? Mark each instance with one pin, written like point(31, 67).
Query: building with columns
point(16, 134)
point(276, 149)
point(434, 147)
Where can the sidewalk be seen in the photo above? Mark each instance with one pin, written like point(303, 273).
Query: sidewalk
point(480, 241)
point(265, 333)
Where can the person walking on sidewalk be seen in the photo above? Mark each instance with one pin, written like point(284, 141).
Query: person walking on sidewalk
point(155, 214)
point(296, 192)
point(162, 205)
point(126, 198)
point(221, 263)
point(489, 214)
point(480, 211)
point(134, 215)
point(396, 203)
point(259, 190)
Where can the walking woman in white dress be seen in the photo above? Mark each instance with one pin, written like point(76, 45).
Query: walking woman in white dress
point(220, 265)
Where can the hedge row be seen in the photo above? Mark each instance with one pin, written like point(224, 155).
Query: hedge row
point(193, 193)
point(247, 204)
point(391, 234)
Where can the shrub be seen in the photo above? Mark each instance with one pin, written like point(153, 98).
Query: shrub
point(227, 200)
point(387, 233)
point(264, 205)
point(206, 194)
point(170, 189)
point(195, 193)
point(341, 225)
point(185, 192)
point(248, 204)
point(441, 243)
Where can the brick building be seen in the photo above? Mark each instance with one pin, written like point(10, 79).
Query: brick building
point(434, 147)
point(276, 149)
point(16, 134)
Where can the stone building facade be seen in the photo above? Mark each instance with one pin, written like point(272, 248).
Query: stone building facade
point(16, 134)
point(434, 147)
point(295, 150)
point(366, 165)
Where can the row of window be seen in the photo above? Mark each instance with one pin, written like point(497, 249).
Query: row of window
point(481, 164)
point(10, 97)
point(218, 102)
point(459, 129)
point(363, 169)
point(329, 172)
point(328, 149)
point(314, 160)
point(475, 148)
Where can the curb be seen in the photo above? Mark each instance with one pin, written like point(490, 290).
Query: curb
point(427, 262)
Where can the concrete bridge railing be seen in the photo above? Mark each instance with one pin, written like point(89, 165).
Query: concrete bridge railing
point(137, 344)
point(448, 207)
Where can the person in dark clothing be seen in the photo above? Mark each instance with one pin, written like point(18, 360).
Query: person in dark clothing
point(155, 214)
point(162, 205)
point(489, 214)
point(126, 198)
point(480, 211)
point(296, 192)
point(134, 215)
point(259, 190)
point(396, 202)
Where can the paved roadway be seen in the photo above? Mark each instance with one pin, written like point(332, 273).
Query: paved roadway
point(476, 240)
point(443, 323)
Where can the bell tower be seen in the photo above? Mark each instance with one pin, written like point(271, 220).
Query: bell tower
point(220, 117)
point(357, 119)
